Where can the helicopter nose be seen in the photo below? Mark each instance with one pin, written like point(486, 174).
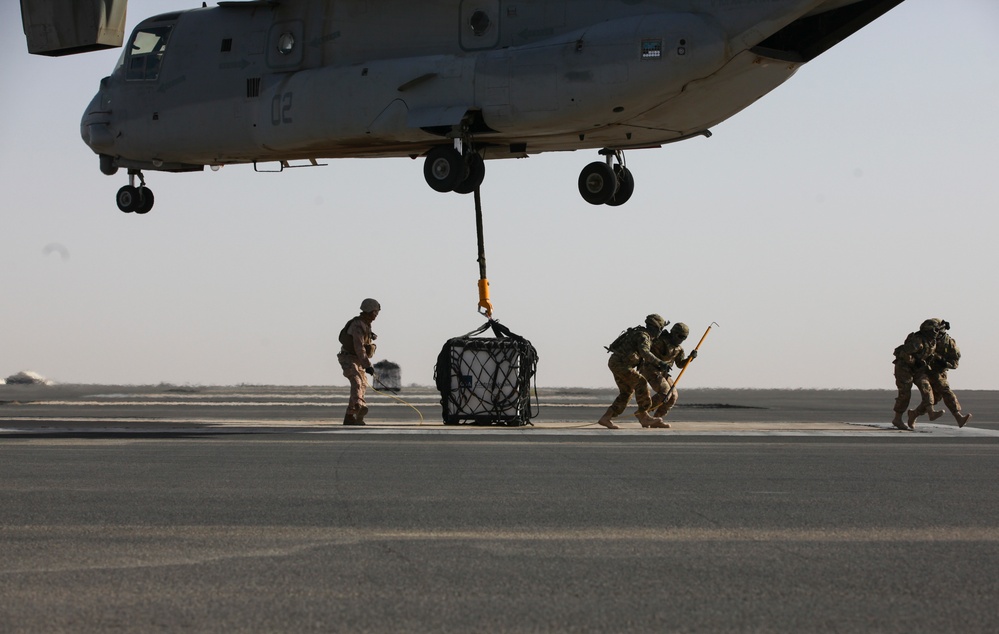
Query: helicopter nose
point(95, 127)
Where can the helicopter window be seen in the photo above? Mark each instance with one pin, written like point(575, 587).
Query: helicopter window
point(479, 23)
point(145, 52)
point(286, 43)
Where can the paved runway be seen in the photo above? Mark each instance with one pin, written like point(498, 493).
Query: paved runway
point(302, 525)
point(81, 409)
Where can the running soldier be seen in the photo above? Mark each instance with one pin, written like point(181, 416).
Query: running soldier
point(357, 346)
point(912, 360)
point(628, 350)
point(945, 358)
point(666, 347)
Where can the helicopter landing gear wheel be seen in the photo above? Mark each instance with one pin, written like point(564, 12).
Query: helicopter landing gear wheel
point(625, 186)
point(443, 169)
point(127, 199)
point(608, 182)
point(475, 174)
point(597, 183)
point(145, 200)
point(135, 199)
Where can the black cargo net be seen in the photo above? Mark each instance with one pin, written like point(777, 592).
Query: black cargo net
point(486, 381)
point(388, 376)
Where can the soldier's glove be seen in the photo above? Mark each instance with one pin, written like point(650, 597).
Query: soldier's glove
point(370, 371)
point(693, 354)
point(664, 367)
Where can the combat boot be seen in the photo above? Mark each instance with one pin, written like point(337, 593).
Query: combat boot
point(662, 411)
point(606, 421)
point(962, 419)
point(897, 422)
point(649, 421)
point(361, 412)
point(935, 414)
point(350, 419)
point(912, 418)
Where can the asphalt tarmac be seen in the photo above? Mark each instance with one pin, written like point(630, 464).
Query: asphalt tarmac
point(122, 512)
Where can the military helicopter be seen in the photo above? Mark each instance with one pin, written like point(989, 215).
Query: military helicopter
point(457, 82)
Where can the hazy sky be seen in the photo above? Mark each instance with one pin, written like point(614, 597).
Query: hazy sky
point(818, 228)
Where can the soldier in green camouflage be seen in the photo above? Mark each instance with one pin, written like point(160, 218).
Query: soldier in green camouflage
point(946, 357)
point(912, 361)
point(632, 347)
point(666, 347)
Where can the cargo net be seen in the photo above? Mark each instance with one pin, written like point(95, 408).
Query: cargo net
point(487, 381)
point(388, 376)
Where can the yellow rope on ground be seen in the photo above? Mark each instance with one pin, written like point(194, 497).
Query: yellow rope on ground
point(400, 400)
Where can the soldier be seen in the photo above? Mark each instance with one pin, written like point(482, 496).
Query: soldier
point(356, 349)
point(667, 348)
point(911, 364)
point(628, 350)
point(945, 358)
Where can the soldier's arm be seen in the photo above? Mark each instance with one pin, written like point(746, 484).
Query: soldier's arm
point(357, 334)
point(645, 353)
point(681, 361)
point(953, 355)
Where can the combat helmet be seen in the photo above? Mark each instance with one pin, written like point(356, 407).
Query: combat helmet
point(655, 322)
point(370, 305)
point(680, 331)
point(930, 325)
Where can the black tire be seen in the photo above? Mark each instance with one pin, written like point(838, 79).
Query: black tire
point(597, 183)
point(476, 174)
point(443, 168)
point(625, 186)
point(127, 199)
point(145, 200)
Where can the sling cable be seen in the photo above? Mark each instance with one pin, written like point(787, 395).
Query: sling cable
point(485, 306)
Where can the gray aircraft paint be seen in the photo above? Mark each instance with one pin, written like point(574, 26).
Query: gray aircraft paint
point(311, 79)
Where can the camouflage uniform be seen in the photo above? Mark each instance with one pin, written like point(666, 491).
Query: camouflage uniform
point(946, 358)
point(356, 349)
point(911, 364)
point(627, 352)
point(668, 350)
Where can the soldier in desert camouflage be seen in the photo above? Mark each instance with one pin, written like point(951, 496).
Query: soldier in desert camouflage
point(357, 346)
point(666, 347)
point(912, 362)
point(945, 357)
point(628, 350)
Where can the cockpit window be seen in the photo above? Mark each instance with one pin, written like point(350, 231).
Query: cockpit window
point(145, 53)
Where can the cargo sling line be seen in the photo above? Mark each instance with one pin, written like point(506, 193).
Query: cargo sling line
point(485, 306)
point(486, 380)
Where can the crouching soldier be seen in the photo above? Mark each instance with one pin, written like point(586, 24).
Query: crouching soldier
point(912, 360)
point(946, 357)
point(632, 347)
point(666, 347)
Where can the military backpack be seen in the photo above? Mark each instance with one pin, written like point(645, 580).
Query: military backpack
point(625, 342)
